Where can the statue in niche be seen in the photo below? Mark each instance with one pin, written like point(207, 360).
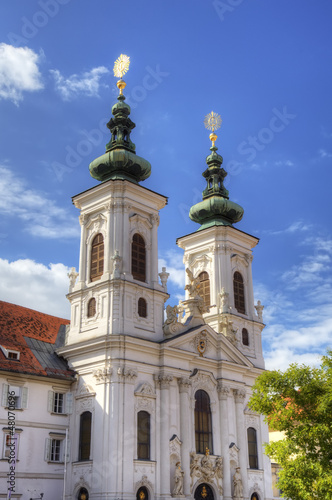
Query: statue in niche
point(193, 287)
point(207, 467)
point(178, 480)
point(237, 481)
point(224, 301)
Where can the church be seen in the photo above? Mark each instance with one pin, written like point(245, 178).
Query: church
point(156, 398)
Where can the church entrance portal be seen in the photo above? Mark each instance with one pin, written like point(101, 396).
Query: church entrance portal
point(204, 492)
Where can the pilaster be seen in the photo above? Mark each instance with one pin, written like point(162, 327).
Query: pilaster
point(184, 384)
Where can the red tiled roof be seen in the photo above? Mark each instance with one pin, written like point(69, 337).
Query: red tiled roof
point(17, 322)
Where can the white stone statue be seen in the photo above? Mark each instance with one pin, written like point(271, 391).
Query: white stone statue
point(178, 480)
point(237, 481)
point(193, 287)
point(117, 261)
point(72, 275)
point(259, 308)
point(219, 474)
point(171, 315)
point(163, 278)
point(224, 301)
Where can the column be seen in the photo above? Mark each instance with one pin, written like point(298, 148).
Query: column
point(184, 387)
point(164, 381)
point(239, 395)
point(128, 435)
point(250, 290)
point(154, 249)
point(223, 393)
point(107, 242)
point(82, 266)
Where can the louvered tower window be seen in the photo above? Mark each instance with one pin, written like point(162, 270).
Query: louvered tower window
point(91, 307)
point(138, 258)
point(97, 257)
point(204, 289)
point(239, 293)
point(142, 308)
point(245, 336)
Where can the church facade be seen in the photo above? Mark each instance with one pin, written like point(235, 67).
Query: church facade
point(161, 404)
point(154, 399)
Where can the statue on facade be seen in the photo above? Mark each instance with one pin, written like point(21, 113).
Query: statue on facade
point(193, 286)
point(207, 469)
point(219, 473)
point(224, 301)
point(259, 308)
point(238, 487)
point(178, 481)
point(171, 315)
point(72, 275)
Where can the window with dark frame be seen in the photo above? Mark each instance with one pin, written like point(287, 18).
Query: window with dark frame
point(138, 258)
point(245, 336)
point(203, 422)
point(238, 287)
point(252, 448)
point(85, 436)
point(142, 308)
point(97, 257)
point(58, 403)
point(143, 435)
point(91, 307)
point(204, 289)
point(55, 452)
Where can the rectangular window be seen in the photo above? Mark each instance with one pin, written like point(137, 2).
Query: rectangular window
point(10, 446)
point(14, 397)
point(55, 448)
point(59, 402)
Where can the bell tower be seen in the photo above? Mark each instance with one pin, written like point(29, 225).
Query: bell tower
point(116, 290)
point(220, 255)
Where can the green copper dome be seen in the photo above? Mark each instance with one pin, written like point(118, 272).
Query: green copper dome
point(120, 160)
point(216, 209)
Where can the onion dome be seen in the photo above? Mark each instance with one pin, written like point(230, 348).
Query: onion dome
point(120, 160)
point(216, 209)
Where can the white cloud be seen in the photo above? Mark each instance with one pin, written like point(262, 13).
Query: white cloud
point(19, 72)
point(294, 227)
point(41, 215)
point(324, 154)
point(31, 284)
point(88, 83)
point(284, 163)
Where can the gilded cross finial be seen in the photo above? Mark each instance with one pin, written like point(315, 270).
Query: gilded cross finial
point(212, 122)
point(121, 67)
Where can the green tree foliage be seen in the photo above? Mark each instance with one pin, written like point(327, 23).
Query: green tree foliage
point(298, 402)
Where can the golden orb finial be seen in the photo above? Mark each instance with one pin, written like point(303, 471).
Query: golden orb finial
point(121, 67)
point(212, 122)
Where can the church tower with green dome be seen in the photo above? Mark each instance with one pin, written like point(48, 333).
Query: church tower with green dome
point(117, 289)
point(219, 255)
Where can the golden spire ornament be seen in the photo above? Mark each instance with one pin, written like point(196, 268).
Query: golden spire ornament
point(121, 67)
point(212, 122)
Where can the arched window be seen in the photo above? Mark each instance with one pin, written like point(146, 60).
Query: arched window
point(203, 422)
point(239, 293)
point(142, 494)
point(204, 289)
point(142, 308)
point(143, 435)
point(91, 307)
point(97, 257)
point(252, 448)
point(245, 336)
point(85, 436)
point(138, 258)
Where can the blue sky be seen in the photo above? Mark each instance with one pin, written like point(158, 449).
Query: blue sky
point(265, 67)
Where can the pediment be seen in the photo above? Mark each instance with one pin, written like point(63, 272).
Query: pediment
point(205, 342)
